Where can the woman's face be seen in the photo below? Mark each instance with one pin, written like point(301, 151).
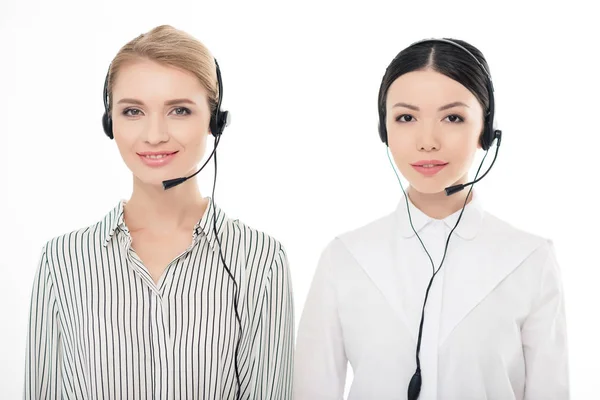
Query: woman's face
point(432, 119)
point(160, 120)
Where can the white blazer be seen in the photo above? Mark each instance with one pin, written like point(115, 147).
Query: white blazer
point(494, 322)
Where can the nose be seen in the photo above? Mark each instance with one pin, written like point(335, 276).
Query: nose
point(428, 138)
point(156, 131)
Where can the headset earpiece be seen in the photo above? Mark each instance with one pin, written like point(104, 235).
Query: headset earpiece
point(107, 125)
point(381, 127)
point(219, 121)
point(490, 133)
point(106, 119)
point(382, 133)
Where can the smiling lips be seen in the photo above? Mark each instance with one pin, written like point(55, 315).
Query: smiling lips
point(429, 167)
point(156, 158)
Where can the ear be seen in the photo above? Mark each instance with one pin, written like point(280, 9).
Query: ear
point(479, 139)
point(209, 130)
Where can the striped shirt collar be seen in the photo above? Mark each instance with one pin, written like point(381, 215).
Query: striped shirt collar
point(115, 220)
point(467, 228)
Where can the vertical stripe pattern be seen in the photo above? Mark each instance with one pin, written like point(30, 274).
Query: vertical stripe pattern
point(100, 328)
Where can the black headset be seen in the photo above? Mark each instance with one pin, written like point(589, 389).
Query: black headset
point(218, 119)
point(490, 133)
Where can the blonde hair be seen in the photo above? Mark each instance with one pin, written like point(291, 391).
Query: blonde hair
point(173, 47)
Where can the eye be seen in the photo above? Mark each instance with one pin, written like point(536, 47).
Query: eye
point(182, 111)
point(404, 118)
point(455, 119)
point(132, 112)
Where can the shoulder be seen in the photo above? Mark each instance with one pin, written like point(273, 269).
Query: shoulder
point(253, 238)
point(84, 241)
point(373, 237)
point(61, 246)
point(259, 248)
point(507, 235)
point(369, 235)
point(530, 255)
point(368, 230)
point(261, 256)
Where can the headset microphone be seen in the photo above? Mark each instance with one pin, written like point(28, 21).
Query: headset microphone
point(457, 188)
point(170, 183)
point(174, 182)
point(218, 121)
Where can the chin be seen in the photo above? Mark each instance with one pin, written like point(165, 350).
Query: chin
point(428, 188)
point(156, 175)
point(153, 177)
point(430, 185)
point(151, 181)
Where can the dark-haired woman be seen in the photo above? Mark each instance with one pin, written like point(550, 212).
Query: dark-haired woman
point(476, 300)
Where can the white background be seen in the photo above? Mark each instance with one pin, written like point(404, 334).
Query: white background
point(301, 160)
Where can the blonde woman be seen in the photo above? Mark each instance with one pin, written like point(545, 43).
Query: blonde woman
point(165, 297)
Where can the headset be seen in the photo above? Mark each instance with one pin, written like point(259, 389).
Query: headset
point(219, 119)
point(489, 135)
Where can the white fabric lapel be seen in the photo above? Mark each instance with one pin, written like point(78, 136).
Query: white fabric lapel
point(473, 275)
point(373, 248)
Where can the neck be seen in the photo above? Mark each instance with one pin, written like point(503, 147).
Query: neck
point(151, 208)
point(438, 205)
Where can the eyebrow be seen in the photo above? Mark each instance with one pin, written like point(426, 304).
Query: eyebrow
point(442, 108)
point(167, 103)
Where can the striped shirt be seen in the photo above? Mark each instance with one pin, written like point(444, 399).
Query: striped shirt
point(100, 328)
